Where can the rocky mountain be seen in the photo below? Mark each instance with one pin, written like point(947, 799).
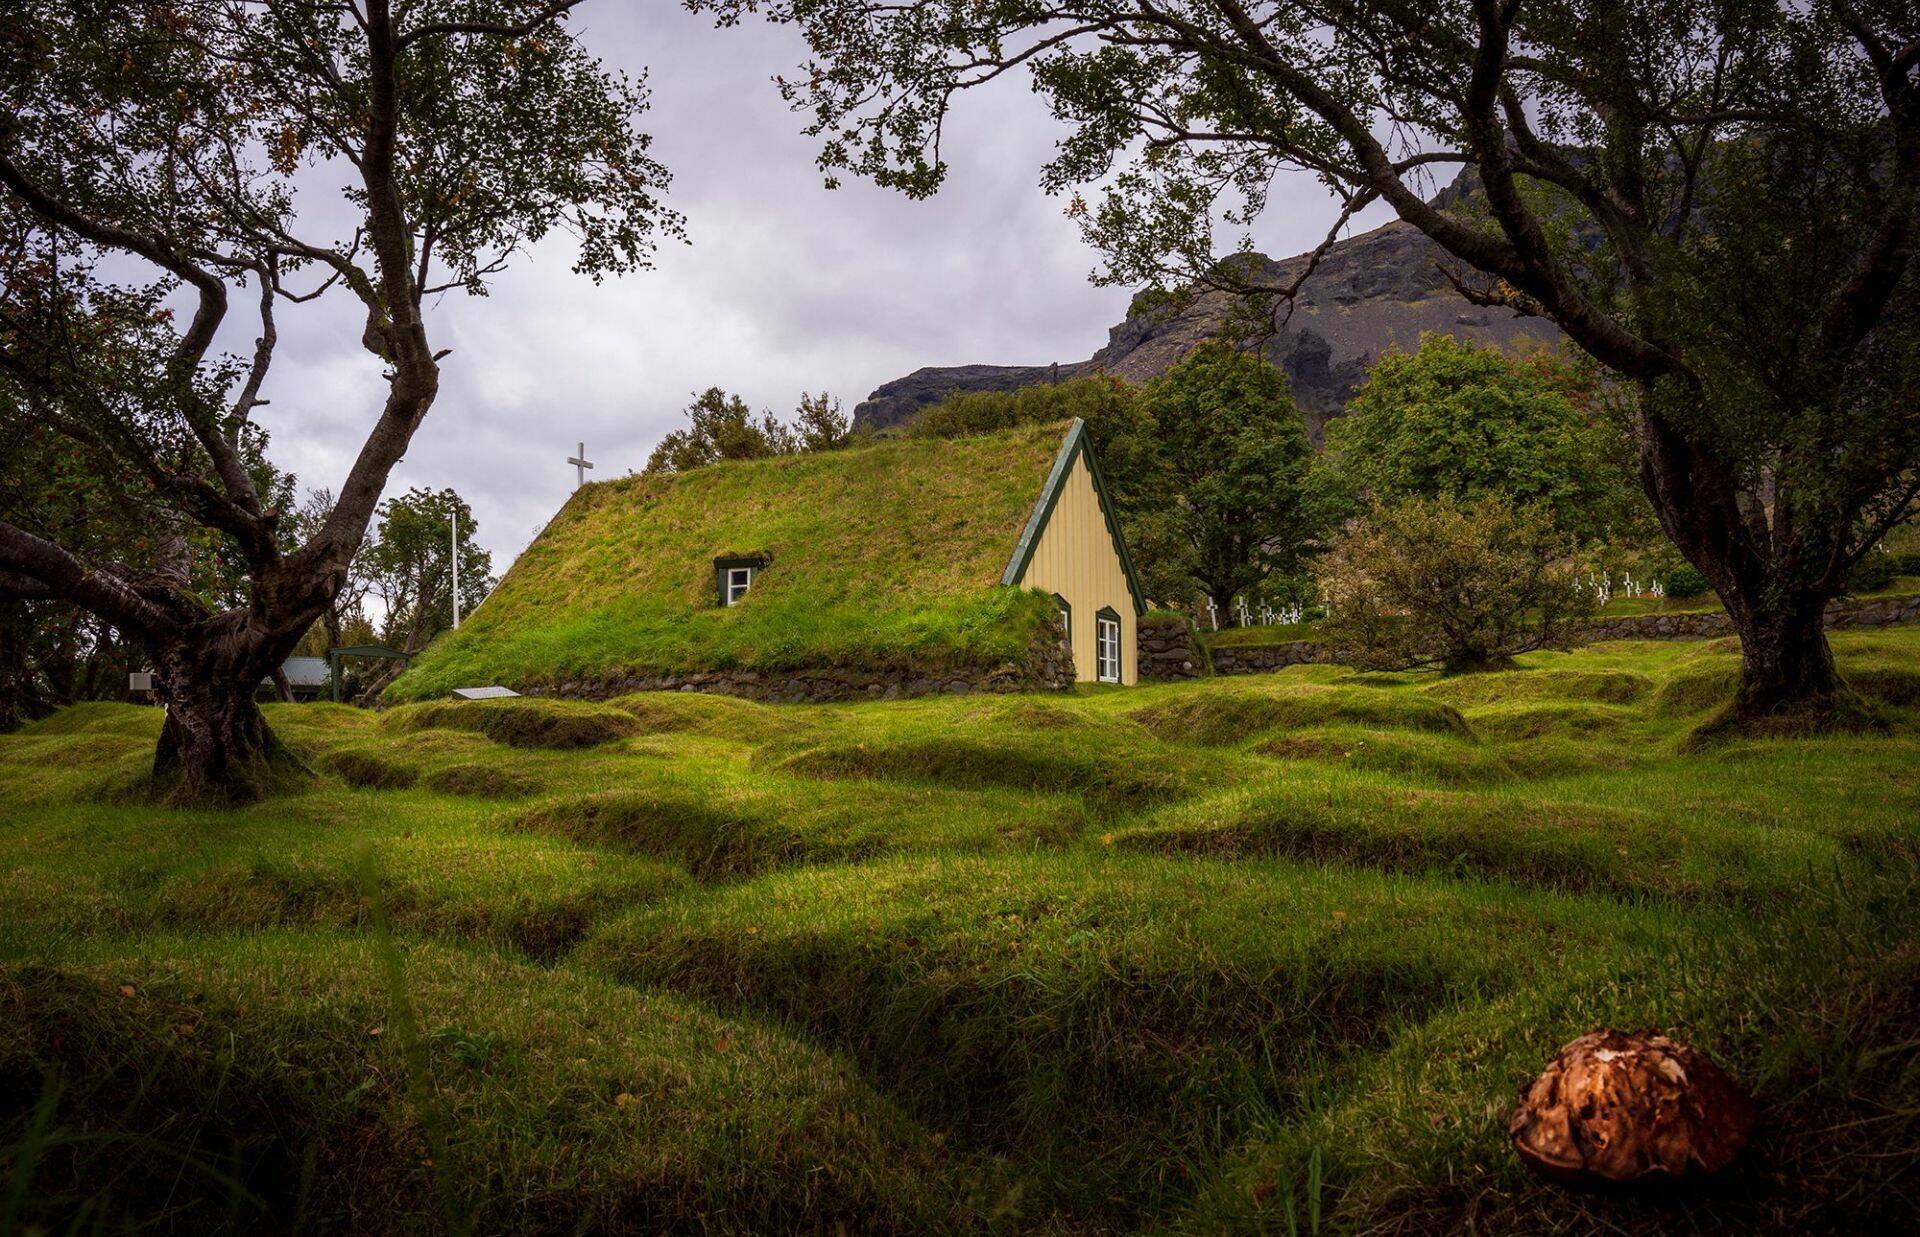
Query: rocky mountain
point(1377, 290)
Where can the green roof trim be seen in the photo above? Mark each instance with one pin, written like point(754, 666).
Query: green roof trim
point(1072, 447)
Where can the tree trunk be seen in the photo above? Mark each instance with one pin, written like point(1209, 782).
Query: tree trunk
point(1787, 676)
point(215, 747)
point(1788, 682)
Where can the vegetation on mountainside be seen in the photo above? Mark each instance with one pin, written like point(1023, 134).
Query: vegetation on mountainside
point(1196, 956)
point(885, 557)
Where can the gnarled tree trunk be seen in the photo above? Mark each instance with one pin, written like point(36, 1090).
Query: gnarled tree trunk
point(1787, 675)
point(215, 745)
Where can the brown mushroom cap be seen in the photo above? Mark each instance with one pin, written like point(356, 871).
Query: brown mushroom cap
point(1614, 1107)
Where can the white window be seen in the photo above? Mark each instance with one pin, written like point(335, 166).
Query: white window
point(739, 580)
point(1107, 649)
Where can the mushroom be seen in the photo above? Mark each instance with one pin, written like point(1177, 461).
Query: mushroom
point(1614, 1107)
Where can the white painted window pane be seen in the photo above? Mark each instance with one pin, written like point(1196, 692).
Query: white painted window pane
point(1107, 652)
point(738, 580)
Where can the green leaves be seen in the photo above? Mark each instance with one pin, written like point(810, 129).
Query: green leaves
point(1455, 419)
point(1228, 470)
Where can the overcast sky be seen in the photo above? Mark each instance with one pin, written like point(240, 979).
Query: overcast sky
point(783, 287)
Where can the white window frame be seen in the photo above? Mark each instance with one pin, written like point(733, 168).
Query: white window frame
point(1106, 648)
point(739, 580)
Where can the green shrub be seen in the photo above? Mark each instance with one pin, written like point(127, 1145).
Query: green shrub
point(1872, 573)
point(1686, 581)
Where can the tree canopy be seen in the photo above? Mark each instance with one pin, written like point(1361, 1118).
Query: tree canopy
point(1227, 493)
point(721, 427)
point(1461, 420)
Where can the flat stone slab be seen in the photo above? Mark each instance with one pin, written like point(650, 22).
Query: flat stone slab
point(483, 693)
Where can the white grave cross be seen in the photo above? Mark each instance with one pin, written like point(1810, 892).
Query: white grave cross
point(1213, 614)
point(580, 464)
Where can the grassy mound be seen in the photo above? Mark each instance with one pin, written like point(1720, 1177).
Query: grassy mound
point(718, 717)
point(1697, 690)
point(283, 1082)
point(370, 772)
point(1228, 717)
point(1363, 820)
point(1511, 686)
point(712, 840)
point(560, 724)
point(959, 964)
point(1558, 719)
point(1442, 759)
point(886, 556)
point(117, 869)
point(1113, 1017)
point(479, 781)
point(1107, 779)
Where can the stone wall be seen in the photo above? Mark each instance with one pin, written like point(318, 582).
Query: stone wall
point(1260, 658)
point(1168, 649)
point(1047, 667)
point(1873, 612)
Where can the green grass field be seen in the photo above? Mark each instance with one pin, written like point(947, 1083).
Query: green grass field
point(1264, 954)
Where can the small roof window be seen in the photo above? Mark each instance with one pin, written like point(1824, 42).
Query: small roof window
point(734, 574)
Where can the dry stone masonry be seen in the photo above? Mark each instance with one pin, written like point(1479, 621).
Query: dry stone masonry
point(1048, 666)
point(1168, 649)
point(1872, 612)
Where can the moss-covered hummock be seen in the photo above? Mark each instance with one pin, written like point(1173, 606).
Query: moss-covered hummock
point(884, 558)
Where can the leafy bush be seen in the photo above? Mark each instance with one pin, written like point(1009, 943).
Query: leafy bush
point(1456, 419)
point(1686, 581)
point(1433, 582)
point(1872, 573)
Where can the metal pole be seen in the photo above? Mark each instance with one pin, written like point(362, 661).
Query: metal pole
point(453, 521)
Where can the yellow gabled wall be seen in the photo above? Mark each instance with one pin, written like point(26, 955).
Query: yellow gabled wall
point(1076, 558)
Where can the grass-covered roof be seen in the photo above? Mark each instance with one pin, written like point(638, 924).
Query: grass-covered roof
point(886, 556)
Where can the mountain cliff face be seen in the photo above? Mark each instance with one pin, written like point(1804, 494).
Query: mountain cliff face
point(1377, 290)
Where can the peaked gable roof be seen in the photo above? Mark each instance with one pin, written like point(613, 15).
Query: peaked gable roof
point(1077, 445)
